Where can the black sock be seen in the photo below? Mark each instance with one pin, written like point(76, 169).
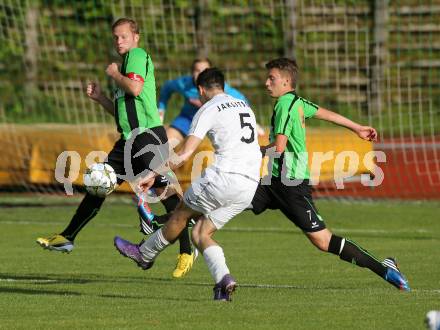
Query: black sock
point(355, 254)
point(161, 219)
point(86, 211)
point(170, 204)
point(185, 242)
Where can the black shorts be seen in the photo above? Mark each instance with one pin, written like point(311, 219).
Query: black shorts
point(295, 202)
point(155, 139)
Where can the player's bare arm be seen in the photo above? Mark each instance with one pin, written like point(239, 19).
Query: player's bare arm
point(189, 147)
point(94, 93)
point(133, 87)
point(364, 132)
point(279, 144)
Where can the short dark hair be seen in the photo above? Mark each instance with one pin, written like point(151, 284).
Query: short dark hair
point(199, 60)
point(211, 78)
point(286, 65)
point(124, 20)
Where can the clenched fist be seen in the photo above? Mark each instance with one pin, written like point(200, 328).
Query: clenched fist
point(112, 70)
point(93, 91)
point(367, 133)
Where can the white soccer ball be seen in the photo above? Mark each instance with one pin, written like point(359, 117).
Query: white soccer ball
point(432, 320)
point(100, 179)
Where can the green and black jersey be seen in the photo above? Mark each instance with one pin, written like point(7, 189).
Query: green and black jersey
point(288, 119)
point(140, 111)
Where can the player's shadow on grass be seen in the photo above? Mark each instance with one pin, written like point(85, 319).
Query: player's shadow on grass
point(93, 278)
point(38, 292)
point(152, 298)
point(42, 279)
point(110, 296)
point(51, 279)
point(75, 279)
point(15, 290)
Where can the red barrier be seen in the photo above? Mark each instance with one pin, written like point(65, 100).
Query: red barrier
point(411, 171)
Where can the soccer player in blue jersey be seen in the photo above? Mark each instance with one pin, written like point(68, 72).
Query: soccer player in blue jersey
point(186, 87)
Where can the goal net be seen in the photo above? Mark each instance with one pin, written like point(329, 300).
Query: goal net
point(376, 62)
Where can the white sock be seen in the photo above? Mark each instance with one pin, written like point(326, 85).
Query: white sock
point(215, 259)
point(154, 245)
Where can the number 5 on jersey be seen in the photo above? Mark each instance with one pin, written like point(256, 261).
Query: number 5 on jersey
point(244, 124)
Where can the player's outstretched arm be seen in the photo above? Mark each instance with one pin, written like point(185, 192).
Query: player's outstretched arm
point(175, 161)
point(364, 132)
point(189, 147)
point(94, 92)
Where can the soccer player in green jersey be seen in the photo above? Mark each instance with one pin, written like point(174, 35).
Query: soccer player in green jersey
point(287, 187)
point(137, 119)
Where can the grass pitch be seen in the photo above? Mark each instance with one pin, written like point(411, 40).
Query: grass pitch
point(285, 283)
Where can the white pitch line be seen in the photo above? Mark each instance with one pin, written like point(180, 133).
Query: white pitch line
point(372, 231)
point(287, 286)
point(242, 285)
point(302, 287)
point(236, 229)
point(270, 286)
point(27, 280)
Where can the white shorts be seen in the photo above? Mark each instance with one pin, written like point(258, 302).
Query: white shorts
point(220, 196)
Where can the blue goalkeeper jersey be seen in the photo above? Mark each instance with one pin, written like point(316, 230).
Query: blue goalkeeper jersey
point(186, 87)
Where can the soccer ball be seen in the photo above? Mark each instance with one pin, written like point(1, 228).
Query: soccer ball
point(100, 179)
point(432, 320)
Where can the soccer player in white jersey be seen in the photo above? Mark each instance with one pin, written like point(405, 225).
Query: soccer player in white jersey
point(224, 190)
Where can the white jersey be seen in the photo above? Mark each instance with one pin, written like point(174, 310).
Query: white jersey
point(231, 127)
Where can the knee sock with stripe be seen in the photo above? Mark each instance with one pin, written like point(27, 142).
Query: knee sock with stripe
point(349, 251)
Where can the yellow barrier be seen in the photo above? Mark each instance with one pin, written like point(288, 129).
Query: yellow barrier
point(30, 152)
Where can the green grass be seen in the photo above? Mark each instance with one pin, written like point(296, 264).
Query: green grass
point(94, 287)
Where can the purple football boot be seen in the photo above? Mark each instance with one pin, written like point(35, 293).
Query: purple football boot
point(223, 290)
point(130, 250)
